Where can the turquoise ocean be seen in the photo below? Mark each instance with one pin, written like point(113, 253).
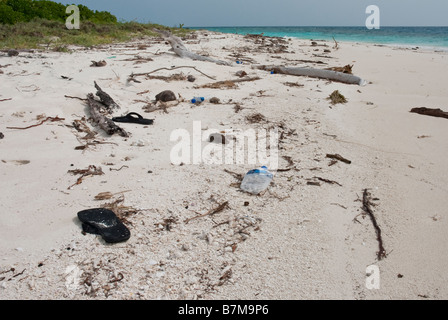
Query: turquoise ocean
point(424, 37)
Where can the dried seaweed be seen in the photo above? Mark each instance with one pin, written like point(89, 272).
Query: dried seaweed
point(366, 206)
point(256, 118)
point(336, 97)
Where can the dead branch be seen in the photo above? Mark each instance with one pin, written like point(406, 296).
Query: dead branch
point(219, 208)
point(430, 112)
point(336, 46)
point(338, 157)
point(75, 98)
point(104, 123)
point(180, 49)
point(51, 119)
point(328, 181)
point(366, 206)
point(314, 73)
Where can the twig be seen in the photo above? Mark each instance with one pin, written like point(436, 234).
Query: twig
point(118, 169)
point(337, 204)
point(328, 181)
point(335, 44)
point(338, 157)
point(5, 99)
point(52, 119)
point(75, 98)
point(219, 208)
point(366, 207)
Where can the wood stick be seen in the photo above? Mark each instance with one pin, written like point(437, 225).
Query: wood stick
point(180, 49)
point(338, 157)
point(314, 73)
point(52, 119)
point(219, 208)
point(104, 123)
point(75, 98)
point(328, 181)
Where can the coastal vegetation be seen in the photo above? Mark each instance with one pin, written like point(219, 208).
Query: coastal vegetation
point(27, 24)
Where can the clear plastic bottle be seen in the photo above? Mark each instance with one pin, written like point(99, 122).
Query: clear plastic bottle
point(257, 180)
point(197, 99)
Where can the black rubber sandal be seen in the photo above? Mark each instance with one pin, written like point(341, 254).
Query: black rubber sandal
point(133, 117)
point(105, 223)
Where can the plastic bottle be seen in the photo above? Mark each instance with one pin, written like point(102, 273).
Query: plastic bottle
point(256, 180)
point(197, 99)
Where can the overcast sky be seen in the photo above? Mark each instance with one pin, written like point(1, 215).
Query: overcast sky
point(207, 13)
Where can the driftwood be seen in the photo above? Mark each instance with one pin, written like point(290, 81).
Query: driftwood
point(338, 157)
point(431, 112)
point(103, 122)
point(314, 73)
point(180, 49)
point(106, 99)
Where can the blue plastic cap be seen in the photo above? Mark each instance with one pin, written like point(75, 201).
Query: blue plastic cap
point(264, 167)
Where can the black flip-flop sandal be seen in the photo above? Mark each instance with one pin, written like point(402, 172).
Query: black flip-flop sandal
point(105, 223)
point(133, 117)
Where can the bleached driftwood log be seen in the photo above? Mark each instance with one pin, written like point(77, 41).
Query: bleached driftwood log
point(103, 122)
point(180, 49)
point(314, 73)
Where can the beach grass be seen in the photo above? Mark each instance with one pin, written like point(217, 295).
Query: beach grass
point(42, 33)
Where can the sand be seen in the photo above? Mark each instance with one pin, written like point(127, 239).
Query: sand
point(295, 241)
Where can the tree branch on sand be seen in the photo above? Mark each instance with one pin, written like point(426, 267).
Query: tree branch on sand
point(180, 49)
point(103, 122)
point(314, 73)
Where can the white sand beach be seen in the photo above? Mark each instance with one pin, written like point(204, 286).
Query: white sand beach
point(297, 240)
